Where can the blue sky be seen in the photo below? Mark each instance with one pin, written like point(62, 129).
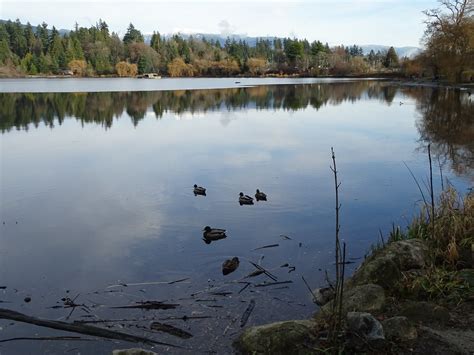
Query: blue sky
point(388, 22)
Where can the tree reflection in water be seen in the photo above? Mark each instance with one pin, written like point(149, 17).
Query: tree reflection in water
point(446, 115)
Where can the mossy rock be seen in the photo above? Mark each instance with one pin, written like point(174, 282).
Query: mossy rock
point(290, 337)
point(385, 266)
point(365, 298)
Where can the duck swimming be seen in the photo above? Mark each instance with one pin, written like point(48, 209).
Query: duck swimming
point(230, 265)
point(245, 199)
point(199, 190)
point(260, 196)
point(212, 234)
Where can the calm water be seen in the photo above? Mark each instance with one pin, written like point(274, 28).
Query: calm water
point(96, 191)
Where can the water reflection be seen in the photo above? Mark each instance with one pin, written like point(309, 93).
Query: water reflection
point(447, 122)
point(20, 110)
point(446, 116)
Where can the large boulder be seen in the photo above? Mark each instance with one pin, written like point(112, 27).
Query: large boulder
point(363, 298)
point(384, 267)
point(399, 329)
point(288, 337)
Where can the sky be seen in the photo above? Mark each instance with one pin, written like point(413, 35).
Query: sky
point(386, 22)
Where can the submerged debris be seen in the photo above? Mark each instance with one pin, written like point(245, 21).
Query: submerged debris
point(77, 328)
point(151, 305)
point(167, 328)
point(267, 246)
point(248, 311)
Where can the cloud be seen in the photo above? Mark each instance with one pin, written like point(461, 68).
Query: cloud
point(225, 28)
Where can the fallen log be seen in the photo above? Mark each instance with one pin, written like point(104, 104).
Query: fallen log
point(77, 328)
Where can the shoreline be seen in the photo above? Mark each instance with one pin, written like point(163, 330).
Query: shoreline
point(402, 299)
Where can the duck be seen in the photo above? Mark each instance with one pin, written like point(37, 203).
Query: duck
point(260, 196)
point(212, 234)
point(245, 199)
point(230, 265)
point(199, 190)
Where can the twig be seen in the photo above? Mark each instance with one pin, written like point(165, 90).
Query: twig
point(441, 174)
point(342, 281)
point(417, 184)
point(309, 288)
point(431, 194)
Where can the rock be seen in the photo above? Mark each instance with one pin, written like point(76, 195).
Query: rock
point(288, 337)
point(385, 266)
point(323, 295)
point(364, 298)
point(399, 329)
point(444, 342)
point(365, 325)
point(425, 312)
point(133, 351)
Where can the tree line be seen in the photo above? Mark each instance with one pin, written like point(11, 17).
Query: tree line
point(449, 43)
point(96, 50)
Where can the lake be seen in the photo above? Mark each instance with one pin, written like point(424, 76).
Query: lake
point(97, 203)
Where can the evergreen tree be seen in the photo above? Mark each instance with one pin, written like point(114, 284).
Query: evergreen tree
point(391, 59)
point(132, 35)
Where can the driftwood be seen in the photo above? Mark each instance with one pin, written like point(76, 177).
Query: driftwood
point(167, 328)
point(149, 283)
point(77, 328)
point(247, 313)
point(255, 273)
point(258, 267)
point(265, 284)
point(150, 305)
point(45, 338)
point(267, 246)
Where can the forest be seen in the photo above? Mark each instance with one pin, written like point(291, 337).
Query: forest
point(95, 51)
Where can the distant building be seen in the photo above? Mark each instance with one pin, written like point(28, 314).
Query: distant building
point(149, 76)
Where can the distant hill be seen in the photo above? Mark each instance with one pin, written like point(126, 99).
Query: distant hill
point(251, 41)
point(401, 51)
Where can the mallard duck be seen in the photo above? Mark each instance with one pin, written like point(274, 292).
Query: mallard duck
point(199, 190)
point(245, 199)
point(211, 234)
point(260, 196)
point(230, 265)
